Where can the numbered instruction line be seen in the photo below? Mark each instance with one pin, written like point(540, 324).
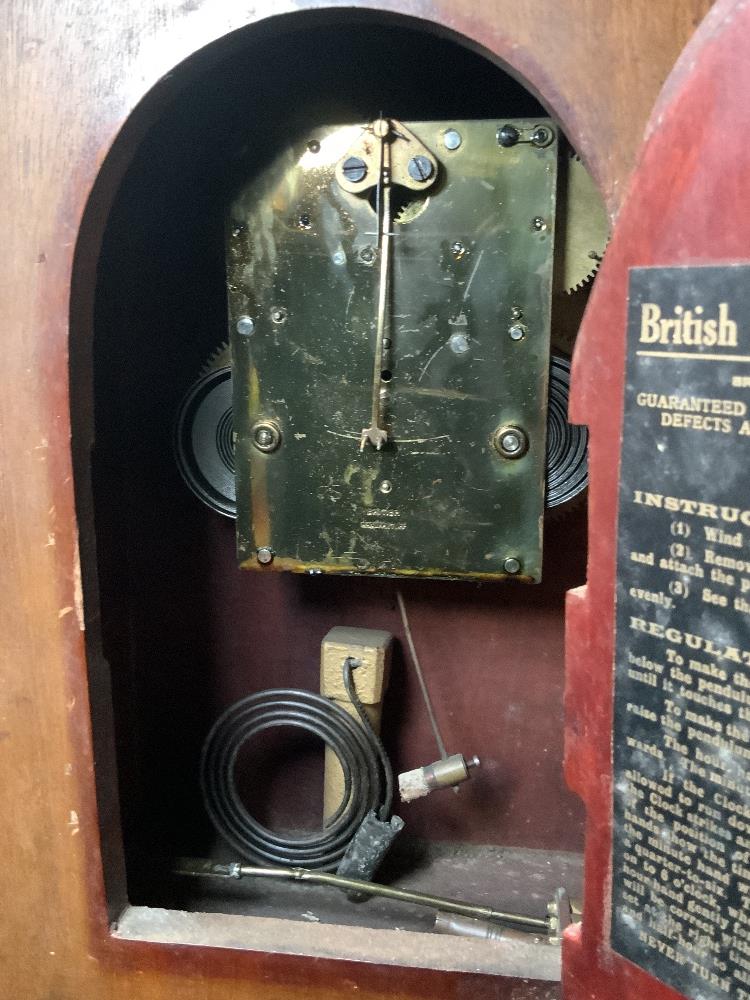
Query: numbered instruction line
point(695, 357)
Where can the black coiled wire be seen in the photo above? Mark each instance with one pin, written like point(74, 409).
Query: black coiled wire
point(368, 777)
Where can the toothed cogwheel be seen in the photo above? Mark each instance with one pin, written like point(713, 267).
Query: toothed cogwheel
point(582, 227)
point(220, 358)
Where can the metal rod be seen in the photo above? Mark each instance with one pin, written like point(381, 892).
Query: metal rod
point(420, 677)
point(377, 433)
point(385, 270)
point(200, 867)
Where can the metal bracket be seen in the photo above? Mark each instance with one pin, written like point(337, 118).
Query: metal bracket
point(560, 913)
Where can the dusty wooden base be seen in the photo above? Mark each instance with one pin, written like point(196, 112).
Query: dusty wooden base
point(515, 959)
point(319, 921)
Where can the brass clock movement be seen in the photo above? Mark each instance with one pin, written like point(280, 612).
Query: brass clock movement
point(390, 290)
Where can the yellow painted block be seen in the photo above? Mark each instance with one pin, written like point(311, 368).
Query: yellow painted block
point(372, 647)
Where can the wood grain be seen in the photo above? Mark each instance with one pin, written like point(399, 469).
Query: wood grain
point(698, 189)
point(73, 73)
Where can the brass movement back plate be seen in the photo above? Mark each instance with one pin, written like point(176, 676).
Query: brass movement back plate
point(471, 257)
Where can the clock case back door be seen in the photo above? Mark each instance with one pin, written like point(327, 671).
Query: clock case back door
point(467, 259)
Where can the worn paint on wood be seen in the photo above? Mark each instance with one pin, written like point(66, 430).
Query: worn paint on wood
point(75, 72)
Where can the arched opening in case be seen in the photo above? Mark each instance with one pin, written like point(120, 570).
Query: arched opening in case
point(181, 632)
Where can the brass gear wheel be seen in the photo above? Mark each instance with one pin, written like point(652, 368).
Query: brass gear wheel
point(582, 227)
point(219, 358)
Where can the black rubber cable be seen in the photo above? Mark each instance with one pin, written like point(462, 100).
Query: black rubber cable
point(368, 778)
point(385, 810)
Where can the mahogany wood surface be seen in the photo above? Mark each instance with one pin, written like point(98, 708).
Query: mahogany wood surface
point(73, 73)
point(686, 205)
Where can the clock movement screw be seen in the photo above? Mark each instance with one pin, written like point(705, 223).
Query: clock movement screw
point(278, 314)
point(538, 224)
point(264, 555)
point(245, 326)
point(508, 136)
point(452, 139)
point(386, 486)
point(420, 168)
point(313, 146)
point(367, 255)
point(458, 249)
point(510, 442)
point(517, 331)
point(354, 169)
point(266, 436)
point(512, 565)
point(459, 343)
point(542, 136)
point(516, 312)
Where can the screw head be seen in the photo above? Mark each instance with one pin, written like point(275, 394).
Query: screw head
point(420, 168)
point(386, 486)
point(338, 257)
point(510, 442)
point(354, 169)
point(517, 331)
point(512, 565)
point(508, 135)
point(459, 343)
point(516, 312)
point(264, 555)
point(313, 146)
point(458, 249)
point(279, 314)
point(367, 255)
point(266, 436)
point(542, 136)
point(245, 326)
point(452, 139)
point(538, 224)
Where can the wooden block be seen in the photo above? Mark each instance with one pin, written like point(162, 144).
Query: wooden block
point(372, 647)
